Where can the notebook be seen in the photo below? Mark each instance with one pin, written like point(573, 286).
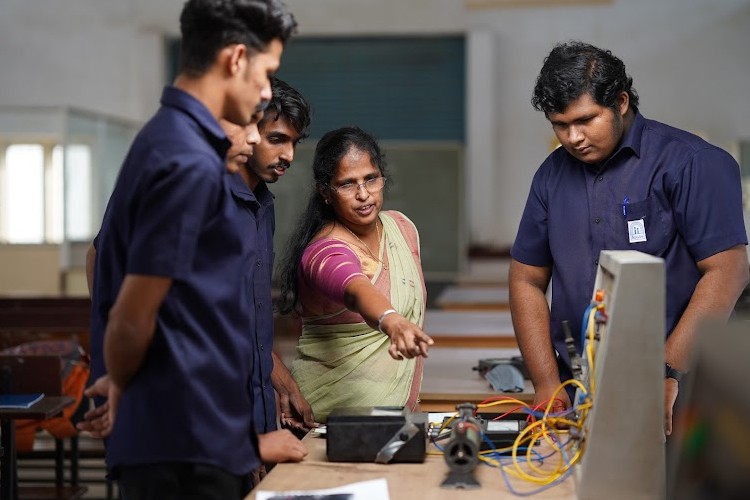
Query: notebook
point(19, 401)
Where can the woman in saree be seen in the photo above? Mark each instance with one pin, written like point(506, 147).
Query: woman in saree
point(353, 274)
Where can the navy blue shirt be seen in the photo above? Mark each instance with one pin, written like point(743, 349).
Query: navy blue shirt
point(686, 191)
point(258, 206)
point(173, 214)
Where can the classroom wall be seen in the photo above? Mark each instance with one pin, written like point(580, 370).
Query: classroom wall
point(90, 54)
point(688, 59)
point(29, 270)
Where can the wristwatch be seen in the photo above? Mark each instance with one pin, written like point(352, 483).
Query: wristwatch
point(670, 372)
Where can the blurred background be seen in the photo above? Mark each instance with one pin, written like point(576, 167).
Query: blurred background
point(444, 84)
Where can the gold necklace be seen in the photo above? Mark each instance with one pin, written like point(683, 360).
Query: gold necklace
point(377, 229)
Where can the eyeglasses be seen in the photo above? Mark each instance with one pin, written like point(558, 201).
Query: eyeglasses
point(350, 189)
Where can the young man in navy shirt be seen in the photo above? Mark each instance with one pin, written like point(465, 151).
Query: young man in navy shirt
point(617, 169)
point(172, 295)
point(283, 126)
point(259, 161)
point(255, 163)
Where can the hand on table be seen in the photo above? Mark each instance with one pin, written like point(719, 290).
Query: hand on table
point(281, 446)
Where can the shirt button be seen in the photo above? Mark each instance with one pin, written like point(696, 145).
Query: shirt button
point(597, 220)
point(258, 263)
point(260, 304)
point(261, 347)
point(600, 178)
point(596, 262)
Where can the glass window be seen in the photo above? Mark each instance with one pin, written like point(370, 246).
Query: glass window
point(23, 194)
point(54, 189)
point(46, 190)
point(78, 192)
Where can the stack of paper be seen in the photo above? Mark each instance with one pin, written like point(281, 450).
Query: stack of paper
point(376, 489)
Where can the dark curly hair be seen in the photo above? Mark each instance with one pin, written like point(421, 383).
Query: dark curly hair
point(575, 68)
point(288, 104)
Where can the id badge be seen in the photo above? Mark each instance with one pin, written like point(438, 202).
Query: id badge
point(636, 231)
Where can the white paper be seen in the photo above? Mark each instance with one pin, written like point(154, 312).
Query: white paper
point(439, 417)
point(502, 426)
point(320, 430)
point(376, 489)
point(384, 412)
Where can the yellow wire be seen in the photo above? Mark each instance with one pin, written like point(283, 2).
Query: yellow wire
point(509, 401)
point(547, 428)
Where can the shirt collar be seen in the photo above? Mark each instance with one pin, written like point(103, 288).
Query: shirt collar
point(632, 139)
point(260, 197)
point(176, 98)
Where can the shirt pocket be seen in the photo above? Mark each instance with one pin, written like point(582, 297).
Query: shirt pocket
point(642, 225)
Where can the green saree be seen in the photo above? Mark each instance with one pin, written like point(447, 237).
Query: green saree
point(347, 364)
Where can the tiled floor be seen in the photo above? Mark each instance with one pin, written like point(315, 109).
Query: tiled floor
point(40, 471)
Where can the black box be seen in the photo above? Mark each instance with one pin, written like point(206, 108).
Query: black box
point(358, 434)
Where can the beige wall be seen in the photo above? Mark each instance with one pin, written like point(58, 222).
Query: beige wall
point(688, 58)
point(27, 269)
point(36, 270)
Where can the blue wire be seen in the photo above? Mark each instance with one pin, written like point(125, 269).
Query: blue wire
point(499, 454)
point(545, 487)
point(540, 414)
point(539, 457)
point(536, 491)
point(584, 324)
point(505, 460)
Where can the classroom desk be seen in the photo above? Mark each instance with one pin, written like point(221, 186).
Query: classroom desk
point(48, 407)
point(405, 481)
point(474, 298)
point(488, 329)
point(449, 379)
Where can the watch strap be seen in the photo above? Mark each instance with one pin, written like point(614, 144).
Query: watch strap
point(670, 372)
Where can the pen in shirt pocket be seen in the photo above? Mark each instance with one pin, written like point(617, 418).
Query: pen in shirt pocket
point(625, 202)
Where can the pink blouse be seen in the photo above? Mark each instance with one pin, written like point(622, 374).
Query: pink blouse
point(329, 265)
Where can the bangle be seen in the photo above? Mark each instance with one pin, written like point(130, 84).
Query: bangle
point(382, 316)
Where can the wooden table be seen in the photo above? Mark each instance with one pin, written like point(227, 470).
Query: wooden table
point(488, 329)
point(405, 481)
point(48, 407)
point(473, 298)
point(449, 379)
point(485, 272)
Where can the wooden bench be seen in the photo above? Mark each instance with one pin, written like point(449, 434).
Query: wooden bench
point(449, 379)
point(26, 319)
point(473, 298)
